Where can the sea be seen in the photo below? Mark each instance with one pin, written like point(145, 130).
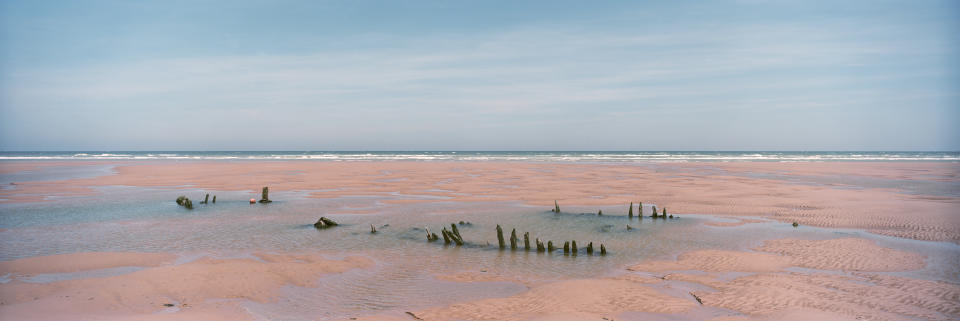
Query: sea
point(525, 156)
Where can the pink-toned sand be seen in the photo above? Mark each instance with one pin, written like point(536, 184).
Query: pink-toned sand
point(782, 279)
point(194, 285)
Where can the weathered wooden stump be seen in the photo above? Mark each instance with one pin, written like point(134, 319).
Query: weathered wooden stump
point(664, 215)
point(629, 227)
point(590, 248)
point(264, 197)
point(373, 230)
point(446, 236)
point(556, 207)
point(550, 247)
point(513, 240)
point(630, 212)
point(206, 198)
point(573, 247)
point(526, 241)
point(600, 213)
point(214, 199)
point(180, 200)
point(654, 215)
point(566, 247)
point(500, 237)
point(324, 222)
point(540, 247)
point(603, 250)
point(640, 210)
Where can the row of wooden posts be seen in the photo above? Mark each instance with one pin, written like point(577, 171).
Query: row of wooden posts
point(569, 247)
point(186, 202)
point(663, 215)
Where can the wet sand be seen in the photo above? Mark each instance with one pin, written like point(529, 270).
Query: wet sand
point(843, 278)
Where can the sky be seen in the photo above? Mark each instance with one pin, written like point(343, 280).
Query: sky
point(479, 75)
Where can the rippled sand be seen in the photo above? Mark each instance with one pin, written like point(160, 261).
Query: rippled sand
point(830, 277)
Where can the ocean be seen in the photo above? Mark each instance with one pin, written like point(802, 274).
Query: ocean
point(525, 156)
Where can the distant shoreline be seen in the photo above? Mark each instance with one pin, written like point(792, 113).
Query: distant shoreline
point(520, 156)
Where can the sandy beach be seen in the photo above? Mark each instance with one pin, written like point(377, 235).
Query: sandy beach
point(842, 277)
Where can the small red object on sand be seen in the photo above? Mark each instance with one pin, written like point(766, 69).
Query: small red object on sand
point(253, 200)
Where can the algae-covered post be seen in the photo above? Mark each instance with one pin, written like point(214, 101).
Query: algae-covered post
point(629, 227)
point(566, 247)
point(654, 215)
point(590, 248)
point(264, 197)
point(455, 235)
point(600, 213)
point(526, 241)
point(188, 204)
point(640, 210)
point(214, 199)
point(446, 235)
point(206, 198)
point(513, 239)
point(664, 215)
point(456, 232)
point(550, 247)
point(573, 247)
point(603, 249)
point(630, 212)
point(500, 237)
point(556, 207)
point(539, 245)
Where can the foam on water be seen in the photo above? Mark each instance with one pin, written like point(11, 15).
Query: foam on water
point(524, 156)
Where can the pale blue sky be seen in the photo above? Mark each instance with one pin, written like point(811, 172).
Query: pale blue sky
point(484, 75)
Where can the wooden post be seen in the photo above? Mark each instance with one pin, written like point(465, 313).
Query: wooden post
point(640, 210)
point(526, 241)
point(429, 238)
point(540, 245)
point(573, 247)
point(373, 230)
point(180, 200)
point(654, 215)
point(500, 237)
point(629, 227)
point(550, 247)
point(214, 199)
point(513, 240)
point(456, 231)
point(206, 198)
point(566, 247)
point(455, 235)
point(603, 250)
point(556, 206)
point(590, 248)
point(600, 213)
point(446, 236)
point(264, 195)
point(664, 215)
point(188, 204)
point(630, 212)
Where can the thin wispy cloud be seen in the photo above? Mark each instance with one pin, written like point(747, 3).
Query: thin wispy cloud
point(520, 82)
